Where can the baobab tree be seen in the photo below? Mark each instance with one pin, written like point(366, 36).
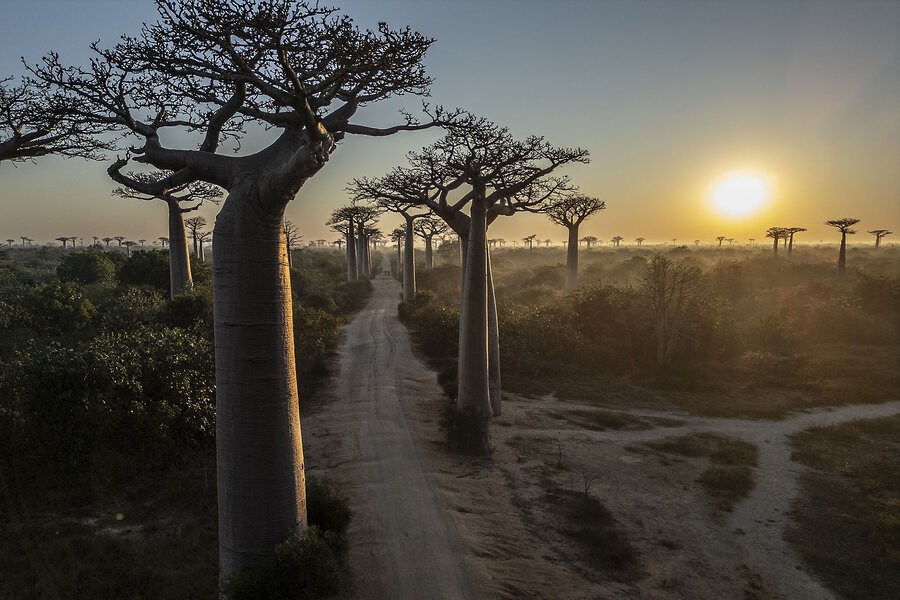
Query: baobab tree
point(529, 241)
point(64, 240)
point(36, 121)
point(195, 225)
point(880, 233)
point(10, 241)
point(129, 244)
point(616, 239)
point(789, 233)
point(204, 238)
point(305, 71)
point(179, 200)
point(107, 240)
point(397, 236)
point(776, 233)
point(164, 241)
point(843, 225)
point(492, 174)
point(720, 239)
point(588, 240)
point(639, 241)
point(427, 228)
point(696, 243)
point(120, 239)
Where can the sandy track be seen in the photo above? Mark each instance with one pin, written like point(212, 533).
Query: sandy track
point(404, 544)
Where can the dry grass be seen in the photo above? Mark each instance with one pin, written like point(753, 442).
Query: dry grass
point(729, 476)
point(848, 520)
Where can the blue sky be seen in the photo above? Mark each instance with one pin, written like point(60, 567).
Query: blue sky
point(668, 97)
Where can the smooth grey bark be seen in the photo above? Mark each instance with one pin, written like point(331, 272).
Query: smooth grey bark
point(259, 453)
point(572, 259)
point(399, 273)
point(473, 398)
point(352, 267)
point(409, 262)
point(180, 280)
point(360, 252)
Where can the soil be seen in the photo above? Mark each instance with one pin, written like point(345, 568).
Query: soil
point(429, 524)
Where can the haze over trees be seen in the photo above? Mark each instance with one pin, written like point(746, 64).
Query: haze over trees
point(427, 228)
point(570, 213)
point(208, 68)
point(844, 226)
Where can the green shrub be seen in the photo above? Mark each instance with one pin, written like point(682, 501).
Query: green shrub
point(56, 308)
point(328, 508)
point(146, 267)
point(89, 266)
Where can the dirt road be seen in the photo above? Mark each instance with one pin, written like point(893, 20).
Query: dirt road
point(404, 544)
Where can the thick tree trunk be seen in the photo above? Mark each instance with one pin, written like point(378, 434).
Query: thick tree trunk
point(471, 432)
point(877, 241)
point(790, 248)
point(261, 485)
point(494, 386)
point(775, 247)
point(572, 260)
point(360, 253)
point(399, 273)
point(352, 268)
point(463, 256)
point(409, 263)
point(429, 255)
point(842, 256)
point(180, 281)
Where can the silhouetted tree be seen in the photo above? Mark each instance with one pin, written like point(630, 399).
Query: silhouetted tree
point(529, 241)
point(10, 241)
point(616, 239)
point(291, 239)
point(180, 199)
point(164, 241)
point(427, 228)
point(639, 241)
point(208, 66)
point(588, 240)
point(107, 240)
point(720, 239)
point(571, 212)
point(195, 225)
point(880, 233)
point(789, 233)
point(63, 240)
point(36, 121)
point(843, 225)
point(776, 233)
point(128, 245)
point(397, 236)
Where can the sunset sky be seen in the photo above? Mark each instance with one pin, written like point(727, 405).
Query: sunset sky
point(669, 97)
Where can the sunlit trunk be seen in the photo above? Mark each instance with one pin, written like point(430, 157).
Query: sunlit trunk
point(409, 263)
point(494, 386)
point(572, 260)
point(473, 399)
point(180, 281)
point(261, 487)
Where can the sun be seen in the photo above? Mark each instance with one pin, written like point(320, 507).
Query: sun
point(740, 194)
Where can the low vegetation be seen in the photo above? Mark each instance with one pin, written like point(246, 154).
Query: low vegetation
point(107, 421)
point(848, 517)
point(729, 475)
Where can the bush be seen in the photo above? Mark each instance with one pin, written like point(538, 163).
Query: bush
point(146, 267)
point(308, 565)
point(128, 307)
point(90, 266)
point(56, 308)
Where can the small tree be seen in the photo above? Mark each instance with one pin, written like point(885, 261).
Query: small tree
point(671, 290)
point(639, 241)
point(843, 225)
point(776, 234)
point(615, 240)
point(880, 233)
point(291, 237)
point(426, 228)
point(195, 225)
point(588, 240)
point(720, 239)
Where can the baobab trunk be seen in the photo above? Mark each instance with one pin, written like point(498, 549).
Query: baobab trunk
point(790, 248)
point(473, 403)
point(409, 263)
point(775, 246)
point(399, 273)
point(429, 256)
point(352, 269)
point(259, 454)
point(180, 281)
point(494, 387)
point(842, 256)
point(572, 260)
point(360, 253)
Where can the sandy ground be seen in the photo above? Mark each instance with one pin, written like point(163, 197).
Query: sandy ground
point(429, 524)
